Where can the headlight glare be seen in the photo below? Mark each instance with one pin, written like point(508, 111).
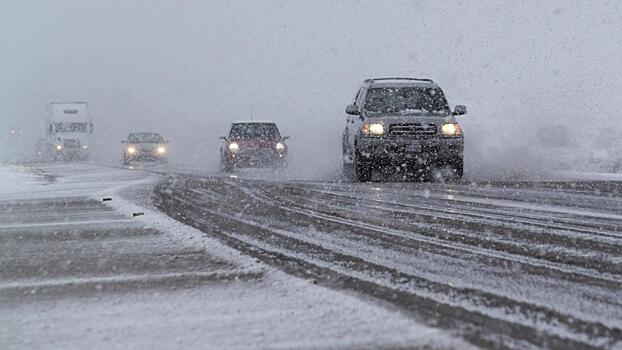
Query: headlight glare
point(451, 129)
point(161, 150)
point(59, 147)
point(234, 147)
point(131, 150)
point(375, 129)
point(280, 147)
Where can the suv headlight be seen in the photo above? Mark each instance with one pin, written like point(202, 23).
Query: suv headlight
point(59, 147)
point(161, 150)
point(451, 129)
point(234, 147)
point(131, 150)
point(280, 147)
point(372, 129)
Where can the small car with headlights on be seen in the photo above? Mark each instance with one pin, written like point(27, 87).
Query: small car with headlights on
point(145, 147)
point(405, 123)
point(253, 144)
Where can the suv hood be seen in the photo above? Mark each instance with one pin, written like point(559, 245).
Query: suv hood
point(389, 119)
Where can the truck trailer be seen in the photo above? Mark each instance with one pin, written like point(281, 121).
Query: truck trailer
point(69, 132)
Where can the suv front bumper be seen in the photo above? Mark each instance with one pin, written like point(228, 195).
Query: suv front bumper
point(261, 157)
point(145, 157)
point(385, 150)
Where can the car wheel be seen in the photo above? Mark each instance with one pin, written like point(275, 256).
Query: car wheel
point(281, 164)
point(226, 167)
point(458, 168)
point(347, 170)
point(362, 171)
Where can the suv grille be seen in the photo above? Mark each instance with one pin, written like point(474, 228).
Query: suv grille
point(408, 129)
point(72, 143)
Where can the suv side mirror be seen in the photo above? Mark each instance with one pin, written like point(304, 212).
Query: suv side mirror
point(353, 110)
point(285, 138)
point(222, 137)
point(460, 110)
point(123, 141)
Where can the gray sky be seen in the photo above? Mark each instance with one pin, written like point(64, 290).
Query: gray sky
point(188, 68)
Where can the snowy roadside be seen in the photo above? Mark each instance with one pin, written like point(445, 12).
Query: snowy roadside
point(587, 176)
point(15, 180)
point(269, 310)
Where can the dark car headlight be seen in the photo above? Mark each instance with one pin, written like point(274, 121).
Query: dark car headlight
point(234, 147)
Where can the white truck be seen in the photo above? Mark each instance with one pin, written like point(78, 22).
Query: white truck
point(69, 131)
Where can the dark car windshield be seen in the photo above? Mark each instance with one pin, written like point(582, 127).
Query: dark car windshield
point(263, 131)
point(406, 100)
point(145, 137)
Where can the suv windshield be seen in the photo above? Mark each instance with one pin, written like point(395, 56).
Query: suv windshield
point(264, 131)
point(145, 137)
point(406, 100)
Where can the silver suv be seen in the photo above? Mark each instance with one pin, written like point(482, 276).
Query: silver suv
point(403, 122)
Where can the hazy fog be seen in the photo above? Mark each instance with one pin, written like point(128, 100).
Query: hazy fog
point(542, 80)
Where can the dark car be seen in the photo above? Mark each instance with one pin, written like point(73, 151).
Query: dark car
point(145, 147)
point(253, 144)
point(402, 122)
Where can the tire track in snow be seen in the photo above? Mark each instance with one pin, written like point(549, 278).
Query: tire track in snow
point(196, 209)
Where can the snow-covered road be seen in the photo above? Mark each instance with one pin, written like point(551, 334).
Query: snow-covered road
point(78, 272)
point(508, 265)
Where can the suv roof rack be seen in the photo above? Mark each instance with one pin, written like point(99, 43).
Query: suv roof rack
point(373, 80)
